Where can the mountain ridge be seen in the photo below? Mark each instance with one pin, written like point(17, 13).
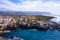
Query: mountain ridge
point(25, 13)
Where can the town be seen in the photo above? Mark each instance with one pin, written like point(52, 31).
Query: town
point(15, 22)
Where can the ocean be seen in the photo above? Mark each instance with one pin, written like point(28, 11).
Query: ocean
point(32, 34)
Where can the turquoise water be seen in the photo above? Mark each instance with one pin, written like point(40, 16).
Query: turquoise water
point(35, 34)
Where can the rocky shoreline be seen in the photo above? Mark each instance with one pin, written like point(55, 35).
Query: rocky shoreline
point(38, 26)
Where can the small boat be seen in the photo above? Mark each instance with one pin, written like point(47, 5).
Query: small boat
point(7, 31)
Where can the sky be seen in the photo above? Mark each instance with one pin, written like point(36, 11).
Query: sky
point(52, 6)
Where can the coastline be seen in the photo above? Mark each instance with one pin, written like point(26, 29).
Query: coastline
point(13, 23)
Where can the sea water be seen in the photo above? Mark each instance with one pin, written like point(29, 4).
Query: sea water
point(29, 34)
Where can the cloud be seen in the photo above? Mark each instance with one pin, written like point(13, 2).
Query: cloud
point(32, 5)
